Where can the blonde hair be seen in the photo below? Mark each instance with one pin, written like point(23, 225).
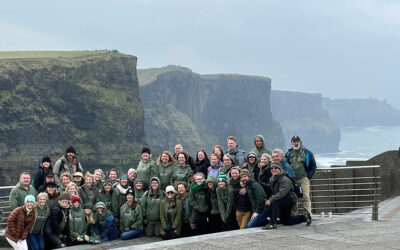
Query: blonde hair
point(66, 174)
point(42, 194)
point(199, 173)
point(88, 174)
point(70, 185)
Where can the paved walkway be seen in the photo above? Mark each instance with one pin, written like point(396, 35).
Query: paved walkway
point(352, 231)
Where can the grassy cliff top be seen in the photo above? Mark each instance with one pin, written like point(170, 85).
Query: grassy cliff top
point(147, 76)
point(48, 54)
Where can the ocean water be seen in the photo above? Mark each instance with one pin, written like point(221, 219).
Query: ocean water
point(361, 144)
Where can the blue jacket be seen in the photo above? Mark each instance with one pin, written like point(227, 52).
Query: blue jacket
point(310, 164)
point(286, 166)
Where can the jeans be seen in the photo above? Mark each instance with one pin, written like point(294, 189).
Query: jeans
point(36, 241)
point(131, 234)
point(262, 216)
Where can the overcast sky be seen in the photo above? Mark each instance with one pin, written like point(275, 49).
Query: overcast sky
point(338, 48)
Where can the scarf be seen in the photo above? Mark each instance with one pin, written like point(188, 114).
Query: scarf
point(194, 187)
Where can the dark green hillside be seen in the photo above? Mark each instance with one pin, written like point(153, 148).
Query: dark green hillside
point(90, 101)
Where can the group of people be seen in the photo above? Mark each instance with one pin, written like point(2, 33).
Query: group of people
point(174, 196)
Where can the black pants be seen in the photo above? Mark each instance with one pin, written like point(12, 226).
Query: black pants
point(187, 231)
point(231, 222)
point(215, 223)
point(202, 225)
point(282, 209)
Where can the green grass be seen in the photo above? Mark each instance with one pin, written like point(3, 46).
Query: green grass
point(147, 76)
point(48, 54)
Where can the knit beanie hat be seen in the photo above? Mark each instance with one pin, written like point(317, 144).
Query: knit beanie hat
point(130, 191)
point(46, 159)
point(70, 150)
point(276, 164)
point(145, 150)
point(100, 204)
point(30, 198)
point(245, 172)
point(64, 195)
point(222, 177)
point(107, 182)
point(87, 205)
point(75, 199)
point(124, 176)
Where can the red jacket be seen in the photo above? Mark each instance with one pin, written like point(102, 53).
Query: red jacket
point(19, 224)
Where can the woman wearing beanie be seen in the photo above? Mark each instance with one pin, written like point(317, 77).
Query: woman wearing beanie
point(151, 207)
point(283, 199)
point(20, 223)
point(44, 168)
point(88, 193)
point(131, 225)
point(52, 194)
point(225, 203)
point(147, 168)
point(170, 215)
point(181, 171)
point(199, 204)
point(104, 223)
point(211, 194)
point(166, 164)
point(56, 230)
point(106, 194)
point(35, 238)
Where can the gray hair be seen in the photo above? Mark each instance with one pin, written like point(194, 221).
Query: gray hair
point(278, 151)
point(267, 155)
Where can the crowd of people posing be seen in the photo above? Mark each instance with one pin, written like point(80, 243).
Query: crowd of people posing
point(173, 196)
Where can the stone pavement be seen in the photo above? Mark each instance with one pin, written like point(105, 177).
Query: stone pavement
point(351, 231)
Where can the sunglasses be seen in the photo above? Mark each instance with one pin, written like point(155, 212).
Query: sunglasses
point(170, 192)
point(274, 168)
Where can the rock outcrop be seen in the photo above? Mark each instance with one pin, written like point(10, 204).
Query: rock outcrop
point(200, 111)
point(90, 102)
point(302, 114)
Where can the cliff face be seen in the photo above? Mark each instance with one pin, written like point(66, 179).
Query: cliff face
point(302, 114)
point(361, 112)
point(200, 111)
point(90, 102)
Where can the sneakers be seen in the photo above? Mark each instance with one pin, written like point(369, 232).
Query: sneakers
point(269, 227)
point(308, 219)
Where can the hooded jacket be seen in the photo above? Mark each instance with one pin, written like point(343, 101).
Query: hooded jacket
point(118, 198)
point(89, 195)
point(212, 195)
point(40, 176)
point(131, 218)
point(238, 155)
point(165, 173)
point(171, 215)
point(262, 149)
point(151, 202)
point(201, 166)
point(106, 198)
point(69, 166)
point(18, 193)
point(147, 170)
point(251, 166)
point(139, 192)
point(41, 215)
point(225, 201)
point(77, 222)
point(180, 174)
point(19, 224)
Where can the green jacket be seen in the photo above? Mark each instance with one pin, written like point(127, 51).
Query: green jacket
point(147, 170)
point(257, 196)
point(100, 219)
point(198, 200)
point(212, 195)
point(41, 217)
point(131, 219)
point(118, 199)
point(262, 150)
point(171, 215)
point(77, 222)
point(88, 195)
point(106, 198)
point(17, 195)
point(282, 187)
point(165, 173)
point(151, 203)
point(180, 174)
point(186, 210)
point(225, 201)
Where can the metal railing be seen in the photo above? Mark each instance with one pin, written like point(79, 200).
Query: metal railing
point(4, 205)
point(340, 190)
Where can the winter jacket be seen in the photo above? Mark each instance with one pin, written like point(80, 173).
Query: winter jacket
point(139, 192)
point(202, 167)
point(180, 174)
point(241, 202)
point(212, 195)
point(198, 200)
point(40, 176)
point(225, 201)
point(214, 170)
point(309, 165)
point(19, 224)
point(41, 215)
point(189, 161)
point(165, 173)
point(58, 223)
point(106, 198)
point(256, 195)
point(238, 155)
point(186, 210)
point(147, 170)
point(264, 175)
point(131, 219)
point(262, 150)
point(77, 222)
point(286, 167)
point(171, 215)
point(105, 221)
point(282, 187)
point(17, 195)
point(251, 167)
point(52, 200)
point(63, 165)
point(89, 195)
point(118, 198)
point(151, 203)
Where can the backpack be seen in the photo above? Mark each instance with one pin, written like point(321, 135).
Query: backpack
point(298, 190)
